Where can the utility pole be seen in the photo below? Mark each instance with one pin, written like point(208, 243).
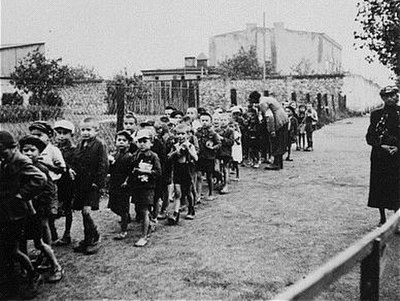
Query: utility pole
point(264, 67)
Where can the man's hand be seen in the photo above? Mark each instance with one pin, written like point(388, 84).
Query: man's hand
point(390, 149)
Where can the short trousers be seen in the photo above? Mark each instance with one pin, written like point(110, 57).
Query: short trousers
point(183, 174)
point(143, 197)
point(33, 227)
point(92, 197)
point(206, 165)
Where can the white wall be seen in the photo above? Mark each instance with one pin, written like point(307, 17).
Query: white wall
point(362, 95)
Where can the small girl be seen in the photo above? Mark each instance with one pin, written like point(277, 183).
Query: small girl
point(119, 171)
point(301, 131)
point(237, 155)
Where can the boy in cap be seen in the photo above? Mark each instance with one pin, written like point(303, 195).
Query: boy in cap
point(119, 171)
point(145, 169)
point(20, 181)
point(41, 206)
point(91, 166)
point(52, 158)
point(66, 185)
point(209, 143)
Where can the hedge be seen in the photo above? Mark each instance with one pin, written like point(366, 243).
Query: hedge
point(15, 114)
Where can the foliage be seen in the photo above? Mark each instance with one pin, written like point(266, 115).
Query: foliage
point(18, 113)
point(135, 89)
point(42, 77)
point(82, 73)
point(302, 68)
point(12, 99)
point(380, 31)
point(243, 64)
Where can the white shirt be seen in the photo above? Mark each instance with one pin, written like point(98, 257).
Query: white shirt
point(50, 155)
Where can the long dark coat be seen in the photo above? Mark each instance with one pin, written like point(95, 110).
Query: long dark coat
point(119, 172)
point(91, 166)
point(384, 188)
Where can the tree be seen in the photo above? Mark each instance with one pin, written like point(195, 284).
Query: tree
point(244, 64)
point(82, 73)
point(135, 89)
point(380, 31)
point(302, 68)
point(42, 77)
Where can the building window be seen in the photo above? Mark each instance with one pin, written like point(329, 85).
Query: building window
point(182, 77)
point(156, 77)
point(266, 93)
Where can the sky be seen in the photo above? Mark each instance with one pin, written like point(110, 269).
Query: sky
point(111, 35)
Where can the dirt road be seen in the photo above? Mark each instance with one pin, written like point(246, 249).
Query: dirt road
point(272, 229)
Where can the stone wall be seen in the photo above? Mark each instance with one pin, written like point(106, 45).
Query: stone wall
point(85, 98)
point(217, 92)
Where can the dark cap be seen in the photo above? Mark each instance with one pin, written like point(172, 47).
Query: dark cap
point(124, 133)
point(389, 90)
point(32, 140)
point(6, 140)
point(43, 127)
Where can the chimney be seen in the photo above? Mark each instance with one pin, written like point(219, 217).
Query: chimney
point(251, 26)
point(190, 62)
point(202, 61)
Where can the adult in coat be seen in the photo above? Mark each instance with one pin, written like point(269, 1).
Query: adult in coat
point(279, 132)
point(384, 137)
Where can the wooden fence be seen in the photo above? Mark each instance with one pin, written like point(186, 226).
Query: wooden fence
point(370, 251)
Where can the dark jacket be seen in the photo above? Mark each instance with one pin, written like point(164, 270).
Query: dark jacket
point(46, 203)
point(119, 171)
point(91, 164)
point(227, 141)
point(384, 129)
point(138, 180)
point(205, 134)
point(18, 177)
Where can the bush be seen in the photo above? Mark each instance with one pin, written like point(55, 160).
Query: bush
point(15, 114)
point(12, 99)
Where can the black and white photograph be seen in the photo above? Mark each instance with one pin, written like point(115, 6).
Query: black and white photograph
point(200, 150)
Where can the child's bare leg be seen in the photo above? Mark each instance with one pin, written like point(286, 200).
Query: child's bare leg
point(46, 230)
point(199, 184)
point(178, 197)
point(47, 250)
point(68, 224)
point(145, 222)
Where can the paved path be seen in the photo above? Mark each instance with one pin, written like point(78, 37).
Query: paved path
point(272, 229)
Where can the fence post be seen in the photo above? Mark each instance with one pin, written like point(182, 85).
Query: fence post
point(120, 100)
point(370, 273)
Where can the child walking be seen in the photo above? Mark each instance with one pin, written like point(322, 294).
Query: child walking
point(209, 143)
point(183, 156)
point(91, 162)
point(119, 171)
point(53, 159)
point(145, 168)
point(225, 152)
point(66, 185)
point(20, 181)
point(41, 207)
point(237, 155)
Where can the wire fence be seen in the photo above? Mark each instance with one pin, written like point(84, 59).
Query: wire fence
point(107, 101)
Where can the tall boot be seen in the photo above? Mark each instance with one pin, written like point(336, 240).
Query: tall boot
point(280, 161)
point(275, 165)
